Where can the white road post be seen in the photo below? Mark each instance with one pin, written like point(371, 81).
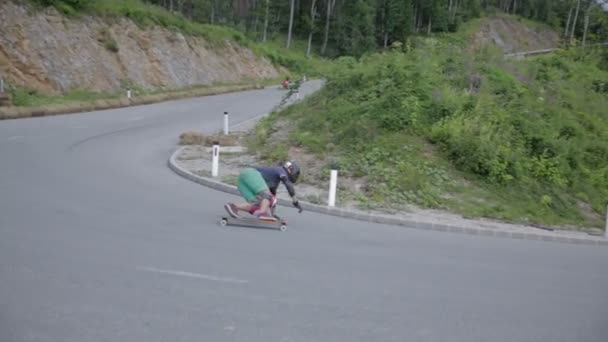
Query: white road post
point(226, 127)
point(606, 229)
point(333, 183)
point(216, 159)
point(1, 84)
point(128, 93)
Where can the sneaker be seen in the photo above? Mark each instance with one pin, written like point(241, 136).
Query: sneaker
point(232, 209)
point(265, 217)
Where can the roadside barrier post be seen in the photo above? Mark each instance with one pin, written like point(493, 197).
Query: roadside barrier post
point(606, 228)
point(128, 93)
point(226, 129)
point(333, 183)
point(1, 84)
point(216, 159)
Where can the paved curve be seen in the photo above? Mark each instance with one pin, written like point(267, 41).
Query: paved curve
point(100, 241)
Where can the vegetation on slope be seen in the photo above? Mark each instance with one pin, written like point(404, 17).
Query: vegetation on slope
point(439, 127)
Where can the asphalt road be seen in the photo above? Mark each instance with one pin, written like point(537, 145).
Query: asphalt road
point(100, 241)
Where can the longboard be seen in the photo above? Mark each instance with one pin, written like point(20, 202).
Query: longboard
point(253, 222)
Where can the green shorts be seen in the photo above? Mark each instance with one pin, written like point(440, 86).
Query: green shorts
point(250, 183)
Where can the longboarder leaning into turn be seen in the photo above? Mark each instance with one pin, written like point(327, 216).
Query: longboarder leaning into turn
point(258, 186)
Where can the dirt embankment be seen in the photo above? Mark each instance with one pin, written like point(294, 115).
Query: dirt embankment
point(46, 51)
point(511, 35)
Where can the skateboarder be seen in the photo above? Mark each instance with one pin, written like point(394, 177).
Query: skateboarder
point(258, 185)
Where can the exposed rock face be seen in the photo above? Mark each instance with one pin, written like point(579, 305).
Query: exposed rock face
point(51, 53)
point(510, 35)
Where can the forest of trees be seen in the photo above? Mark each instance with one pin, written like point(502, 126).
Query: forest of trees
point(356, 26)
point(353, 27)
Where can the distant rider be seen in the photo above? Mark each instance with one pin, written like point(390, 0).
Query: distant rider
point(258, 185)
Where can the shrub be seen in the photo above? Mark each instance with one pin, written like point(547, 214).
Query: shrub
point(535, 132)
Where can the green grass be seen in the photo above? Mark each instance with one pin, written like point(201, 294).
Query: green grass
point(23, 97)
point(530, 146)
point(294, 58)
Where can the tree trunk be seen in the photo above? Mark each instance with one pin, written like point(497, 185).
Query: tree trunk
point(415, 21)
point(568, 26)
point(450, 5)
point(256, 17)
point(385, 40)
point(309, 44)
point(514, 7)
point(313, 12)
point(587, 22)
point(213, 12)
point(428, 30)
point(330, 8)
point(255, 25)
point(266, 20)
point(290, 23)
point(384, 24)
point(578, 7)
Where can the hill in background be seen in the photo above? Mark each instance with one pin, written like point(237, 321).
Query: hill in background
point(46, 51)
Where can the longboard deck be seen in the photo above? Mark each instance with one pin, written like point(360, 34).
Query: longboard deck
point(253, 222)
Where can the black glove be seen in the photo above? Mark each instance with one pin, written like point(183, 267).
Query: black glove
point(297, 205)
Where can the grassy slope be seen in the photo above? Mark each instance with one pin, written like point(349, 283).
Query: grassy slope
point(146, 15)
point(530, 146)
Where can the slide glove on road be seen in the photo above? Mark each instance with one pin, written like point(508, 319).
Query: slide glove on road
point(297, 205)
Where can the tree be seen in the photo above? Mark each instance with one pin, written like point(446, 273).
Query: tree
point(330, 8)
point(356, 29)
point(313, 14)
point(586, 24)
point(568, 25)
point(578, 7)
point(266, 20)
point(394, 17)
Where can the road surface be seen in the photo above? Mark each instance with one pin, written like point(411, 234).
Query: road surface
point(100, 241)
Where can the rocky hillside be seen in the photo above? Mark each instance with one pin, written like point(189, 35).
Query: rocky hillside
point(511, 35)
point(46, 51)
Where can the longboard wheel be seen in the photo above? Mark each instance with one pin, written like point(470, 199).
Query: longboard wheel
point(283, 227)
point(223, 222)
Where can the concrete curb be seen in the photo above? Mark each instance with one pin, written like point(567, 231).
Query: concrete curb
point(390, 220)
point(8, 113)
